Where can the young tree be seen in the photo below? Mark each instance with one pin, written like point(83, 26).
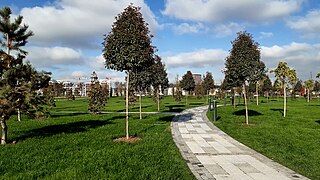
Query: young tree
point(284, 75)
point(187, 83)
point(159, 78)
point(69, 94)
point(199, 90)
point(208, 83)
point(178, 93)
point(267, 86)
point(251, 90)
point(244, 64)
point(140, 81)
point(97, 95)
point(128, 47)
point(298, 87)
point(58, 89)
point(309, 84)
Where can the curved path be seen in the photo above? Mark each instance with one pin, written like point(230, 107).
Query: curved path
point(212, 154)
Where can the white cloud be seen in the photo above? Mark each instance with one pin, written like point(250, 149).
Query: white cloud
point(78, 22)
point(49, 57)
point(199, 58)
point(186, 28)
point(266, 35)
point(224, 30)
point(97, 62)
point(220, 10)
point(303, 57)
point(309, 25)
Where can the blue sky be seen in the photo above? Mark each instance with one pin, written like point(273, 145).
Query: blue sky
point(191, 35)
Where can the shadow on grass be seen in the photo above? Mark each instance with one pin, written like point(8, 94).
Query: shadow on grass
point(117, 117)
point(166, 118)
point(68, 114)
point(250, 113)
point(279, 110)
point(314, 105)
point(137, 107)
point(69, 128)
point(317, 121)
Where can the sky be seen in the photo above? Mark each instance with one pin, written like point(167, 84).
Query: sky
point(190, 35)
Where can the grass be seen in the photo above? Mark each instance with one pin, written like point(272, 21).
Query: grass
point(292, 141)
point(80, 146)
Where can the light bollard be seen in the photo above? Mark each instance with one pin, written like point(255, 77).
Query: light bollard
point(214, 110)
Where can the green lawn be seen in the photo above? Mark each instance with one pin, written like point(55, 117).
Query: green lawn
point(293, 141)
point(80, 146)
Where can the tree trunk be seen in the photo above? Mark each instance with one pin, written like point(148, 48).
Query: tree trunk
point(267, 97)
point(4, 131)
point(127, 105)
point(245, 103)
point(284, 101)
point(158, 99)
point(234, 98)
point(187, 97)
point(8, 52)
point(140, 104)
point(19, 115)
point(257, 92)
point(308, 95)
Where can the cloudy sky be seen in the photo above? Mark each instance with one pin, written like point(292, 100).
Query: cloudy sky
point(189, 34)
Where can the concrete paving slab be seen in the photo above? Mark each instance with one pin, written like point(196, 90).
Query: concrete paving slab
point(194, 147)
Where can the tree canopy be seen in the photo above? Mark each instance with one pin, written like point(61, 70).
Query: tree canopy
point(187, 83)
point(244, 64)
point(128, 46)
point(267, 84)
point(298, 87)
point(160, 76)
point(208, 82)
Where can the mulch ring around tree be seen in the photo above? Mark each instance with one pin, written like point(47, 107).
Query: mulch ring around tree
point(129, 140)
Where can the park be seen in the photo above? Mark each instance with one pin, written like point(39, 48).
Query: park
point(145, 130)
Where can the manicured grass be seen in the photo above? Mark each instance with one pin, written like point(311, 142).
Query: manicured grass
point(80, 146)
point(292, 141)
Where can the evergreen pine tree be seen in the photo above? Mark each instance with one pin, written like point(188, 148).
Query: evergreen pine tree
point(19, 82)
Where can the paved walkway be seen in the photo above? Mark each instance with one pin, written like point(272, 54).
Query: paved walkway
point(212, 154)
